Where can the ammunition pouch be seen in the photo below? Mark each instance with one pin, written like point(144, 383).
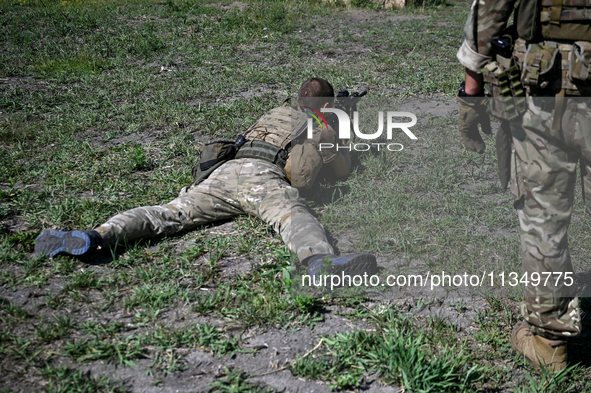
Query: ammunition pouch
point(213, 155)
point(502, 79)
point(569, 68)
point(580, 59)
point(539, 65)
point(505, 86)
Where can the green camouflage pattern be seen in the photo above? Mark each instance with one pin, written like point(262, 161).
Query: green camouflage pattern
point(487, 19)
point(543, 186)
point(241, 186)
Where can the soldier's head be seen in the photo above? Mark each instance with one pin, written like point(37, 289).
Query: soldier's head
point(316, 93)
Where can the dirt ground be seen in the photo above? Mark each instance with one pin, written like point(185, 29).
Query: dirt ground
point(462, 316)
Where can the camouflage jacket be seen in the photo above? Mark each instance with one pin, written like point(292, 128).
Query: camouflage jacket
point(487, 19)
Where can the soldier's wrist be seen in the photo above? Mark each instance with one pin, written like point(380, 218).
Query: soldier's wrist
point(474, 92)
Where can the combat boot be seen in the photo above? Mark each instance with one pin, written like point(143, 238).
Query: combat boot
point(537, 349)
point(353, 264)
point(78, 243)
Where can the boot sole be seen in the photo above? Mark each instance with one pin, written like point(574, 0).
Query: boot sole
point(53, 242)
point(355, 264)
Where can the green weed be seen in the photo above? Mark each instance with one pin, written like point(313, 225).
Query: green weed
point(83, 280)
point(24, 240)
point(196, 336)
point(235, 382)
point(549, 381)
point(121, 351)
point(8, 278)
point(13, 310)
point(80, 64)
point(63, 379)
point(55, 331)
point(400, 357)
point(101, 331)
point(54, 302)
point(262, 304)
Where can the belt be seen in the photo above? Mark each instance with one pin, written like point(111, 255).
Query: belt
point(263, 151)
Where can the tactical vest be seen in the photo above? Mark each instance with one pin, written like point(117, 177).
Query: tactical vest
point(568, 20)
point(551, 57)
point(548, 54)
point(278, 127)
point(279, 137)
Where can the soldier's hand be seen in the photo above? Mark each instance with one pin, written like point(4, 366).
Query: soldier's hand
point(472, 113)
point(329, 137)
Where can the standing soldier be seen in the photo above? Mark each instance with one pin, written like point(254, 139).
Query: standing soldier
point(259, 175)
point(534, 70)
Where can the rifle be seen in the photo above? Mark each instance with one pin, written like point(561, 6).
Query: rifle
point(347, 102)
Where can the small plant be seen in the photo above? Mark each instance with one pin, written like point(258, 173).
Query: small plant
point(13, 310)
point(121, 351)
point(306, 304)
point(549, 381)
point(24, 240)
point(54, 302)
point(216, 248)
point(63, 379)
point(138, 158)
point(55, 331)
point(235, 382)
point(400, 355)
point(83, 280)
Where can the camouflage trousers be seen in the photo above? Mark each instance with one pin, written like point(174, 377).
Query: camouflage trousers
point(243, 186)
point(543, 183)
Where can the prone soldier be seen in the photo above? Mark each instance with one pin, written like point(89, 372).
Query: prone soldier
point(258, 175)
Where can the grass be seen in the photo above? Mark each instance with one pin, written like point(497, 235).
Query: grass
point(399, 358)
point(62, 379)
point(104, 106)
point(124, 349)
point(235, 382)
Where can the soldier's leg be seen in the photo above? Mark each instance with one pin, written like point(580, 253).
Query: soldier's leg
point(544, 187)
point(300, 230)
point(210, 201)
point(266, 193)
point(582, 141)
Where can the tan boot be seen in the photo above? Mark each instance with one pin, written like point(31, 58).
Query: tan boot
point(537, 349)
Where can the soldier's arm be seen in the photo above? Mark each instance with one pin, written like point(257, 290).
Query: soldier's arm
point(474, 82)
point(487, 19)
point(336, 160)
point(341, 165)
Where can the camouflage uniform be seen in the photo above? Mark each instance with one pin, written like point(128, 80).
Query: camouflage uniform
point(241, 186)
point(543, 179)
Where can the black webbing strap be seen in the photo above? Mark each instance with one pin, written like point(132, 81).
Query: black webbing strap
point(263, 151)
